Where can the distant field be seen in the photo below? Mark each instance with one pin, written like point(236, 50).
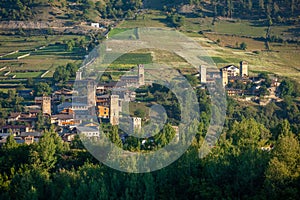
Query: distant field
point(235, 41)
point(153, 19)
point(241, 28)
point(27, 74)
point(130, 58)
point(283, 60)
point(12, 43)
point(46, 54)
point(116, 31)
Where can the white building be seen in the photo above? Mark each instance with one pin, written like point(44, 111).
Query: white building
point(88, 131)
point(96, 25)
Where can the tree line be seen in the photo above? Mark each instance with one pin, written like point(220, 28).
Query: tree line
point(236, 168)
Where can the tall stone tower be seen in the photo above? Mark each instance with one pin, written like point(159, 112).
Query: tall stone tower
point(78, 75)
point(141, 75)
point(224, 76)
point(46, 105)
point(114, 110)
point(203, 74)
point(136, 124)
point(91, 93)
point(243, 68)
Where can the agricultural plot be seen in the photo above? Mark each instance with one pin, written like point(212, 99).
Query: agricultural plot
point(124, 33)
point(152, 19)
point(41, 54)
point(129, 58)
point(25, 75)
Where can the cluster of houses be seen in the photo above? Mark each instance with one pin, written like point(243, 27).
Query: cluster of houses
point(80, 110)
point(76, 111)
point(231, 74)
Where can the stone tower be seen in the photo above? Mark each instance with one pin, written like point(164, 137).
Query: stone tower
point(141, 75)
point(91, 93)
point(203, 73)
point(224, 76)
point(114, 110)
point(46, 105)
point(78, 75)
point(243, 68)
point(136, 124)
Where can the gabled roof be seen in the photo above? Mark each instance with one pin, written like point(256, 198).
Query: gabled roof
point(230, 67)
point(14, 114)
point(62, 116)
point(64, 91)
point(34, 134)
point(88, 129)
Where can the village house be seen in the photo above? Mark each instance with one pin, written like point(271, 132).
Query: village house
point(63, 120)
point(89, 131)
point(63, 93)
point(95, 25)
point(69, 137)
point(16, 129)
point(103, 112)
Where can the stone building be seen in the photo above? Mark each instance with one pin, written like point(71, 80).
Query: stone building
point(45, 103)
point(232, 72)
point(134, 81)
point(91, 93)
point(114, 110)
point(136, 124)
point(244, 68)
point(224, 76)
point(203, 74)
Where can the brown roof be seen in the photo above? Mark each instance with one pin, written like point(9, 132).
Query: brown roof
point(14, 114)
point(62, 116)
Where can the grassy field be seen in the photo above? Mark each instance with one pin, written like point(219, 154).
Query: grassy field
point(130, 58)
point(27, 74)
point(283, 59)
point(151, 19)
point(46, 54)
point(235, 41)
point(116, 31)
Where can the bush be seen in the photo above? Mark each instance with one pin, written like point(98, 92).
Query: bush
point(243, 46)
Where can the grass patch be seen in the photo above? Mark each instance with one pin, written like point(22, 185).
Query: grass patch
point(116, 31)
point(151, 19)
point(240, 28)
point(27, 74)
point(130, 58)
point(234, 41)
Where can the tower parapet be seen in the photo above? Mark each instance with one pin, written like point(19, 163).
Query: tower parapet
point(224, 76)
point(114, 110)
point(244, 68)
point(203, 74)
point(141, 75)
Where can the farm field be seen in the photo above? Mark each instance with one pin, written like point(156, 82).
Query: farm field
point(221, 41)
point(46, 53)
point(151, 19)
point(282, 60)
